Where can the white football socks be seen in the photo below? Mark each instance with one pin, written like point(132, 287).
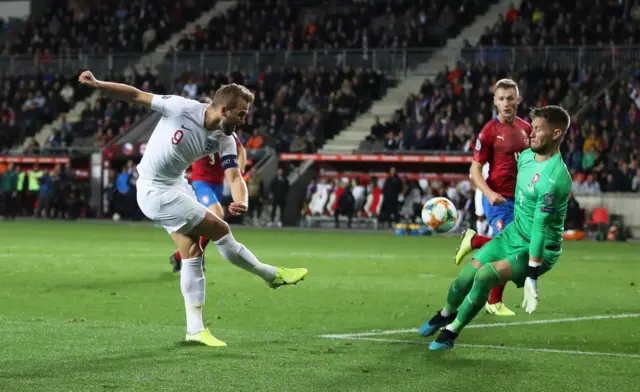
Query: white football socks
point(192, 284)
point(483, 227)
point(445, 313)
point(240, 256)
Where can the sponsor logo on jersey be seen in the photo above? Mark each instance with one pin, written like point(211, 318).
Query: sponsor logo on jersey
point(166, 96)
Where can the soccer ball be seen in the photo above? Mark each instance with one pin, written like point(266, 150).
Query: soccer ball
point(439, 214)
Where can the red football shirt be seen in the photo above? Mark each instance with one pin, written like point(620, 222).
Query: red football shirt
point(500, 144)
point(209, 168)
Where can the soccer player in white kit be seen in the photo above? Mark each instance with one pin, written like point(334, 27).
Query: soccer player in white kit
point(187, 131)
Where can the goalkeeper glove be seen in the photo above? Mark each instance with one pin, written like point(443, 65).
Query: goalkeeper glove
point(530, 302)
point(530, 295)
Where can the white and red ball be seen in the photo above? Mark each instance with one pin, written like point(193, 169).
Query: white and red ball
point(439, 214)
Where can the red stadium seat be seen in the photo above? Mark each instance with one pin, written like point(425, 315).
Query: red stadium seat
point(599, 216)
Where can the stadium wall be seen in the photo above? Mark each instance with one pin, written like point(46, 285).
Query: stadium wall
point(14, 9)
point(624, 204)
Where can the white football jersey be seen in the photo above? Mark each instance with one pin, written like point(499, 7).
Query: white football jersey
point(180, 139)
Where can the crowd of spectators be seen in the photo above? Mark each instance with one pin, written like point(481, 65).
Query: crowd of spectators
point(448, 112)
point(277, 25)
point(72, 27)
point(34, 96)
point(28, 101)
point(295, 110)
point(603, 150)
point(389, 198)
point(568, 23)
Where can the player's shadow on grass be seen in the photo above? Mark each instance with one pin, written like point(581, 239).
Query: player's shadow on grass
point(367, 371)
point(113, 284)
point(114, 362)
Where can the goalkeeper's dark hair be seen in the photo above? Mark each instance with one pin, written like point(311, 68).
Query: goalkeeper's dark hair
point(555, 116)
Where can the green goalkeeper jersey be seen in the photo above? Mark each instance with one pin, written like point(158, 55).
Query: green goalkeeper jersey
point(542, 194)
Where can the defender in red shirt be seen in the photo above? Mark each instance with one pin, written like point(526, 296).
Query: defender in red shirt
point(207, 181)
point(500, 143)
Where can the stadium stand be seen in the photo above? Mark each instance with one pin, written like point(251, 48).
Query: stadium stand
point(295, 110)
point(277, 25)
point(603, 150)
point(308, 90)
point(69, 27)
point(41, 62)
point(449, 111)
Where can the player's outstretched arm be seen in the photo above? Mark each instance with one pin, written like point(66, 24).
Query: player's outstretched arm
point(238, 191)
point(118, 91)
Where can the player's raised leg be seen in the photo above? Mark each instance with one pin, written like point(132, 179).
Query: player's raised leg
point(236, 253)
point(470, 241)
point(192, 285)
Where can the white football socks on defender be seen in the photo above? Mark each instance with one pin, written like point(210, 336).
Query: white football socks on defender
point(483, 227)
point(192, 284)
point(240, 256)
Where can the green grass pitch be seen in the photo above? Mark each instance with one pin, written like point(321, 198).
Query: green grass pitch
point(93, 307)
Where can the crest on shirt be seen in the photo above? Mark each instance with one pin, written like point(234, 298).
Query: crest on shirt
point(211, 145)
point(166, 96)
point(500, 225)
point(478, 145)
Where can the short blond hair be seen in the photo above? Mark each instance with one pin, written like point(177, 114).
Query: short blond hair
point(507, 84)
point(228, 95)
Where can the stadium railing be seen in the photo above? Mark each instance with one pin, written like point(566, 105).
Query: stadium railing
point(392, 61)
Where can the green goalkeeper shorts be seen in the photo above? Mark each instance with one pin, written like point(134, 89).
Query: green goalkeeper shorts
point(511, 246)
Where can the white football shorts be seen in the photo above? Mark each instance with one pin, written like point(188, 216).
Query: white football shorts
point(175, 207)
point(478, 202)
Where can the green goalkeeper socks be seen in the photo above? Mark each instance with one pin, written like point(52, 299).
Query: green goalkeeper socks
point(485, 279)
point(460, 288)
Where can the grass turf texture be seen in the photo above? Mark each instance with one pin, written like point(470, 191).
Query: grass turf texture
point(92, 307)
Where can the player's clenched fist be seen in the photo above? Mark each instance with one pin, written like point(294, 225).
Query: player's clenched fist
point(495, 198)
point(88, 79)
point(238, 208)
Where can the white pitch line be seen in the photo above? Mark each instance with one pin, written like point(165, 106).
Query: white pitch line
point(488, 325)
point(489, 346)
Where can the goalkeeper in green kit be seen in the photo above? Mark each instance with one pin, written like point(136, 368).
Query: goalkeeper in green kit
point(529, 246)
